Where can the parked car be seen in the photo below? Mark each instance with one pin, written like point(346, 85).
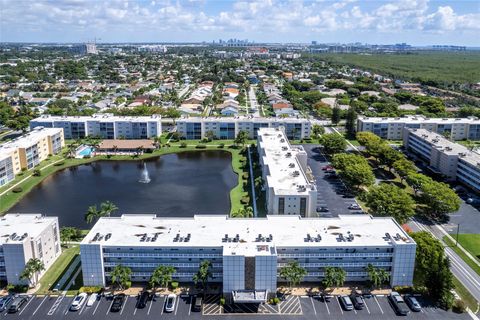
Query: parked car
point(197, 305)
point(413, 303)
point(322, 209)
point(17, 304)
point(357, 301)
point(346, 303)
point(327, 167)
point(143, 299)
point(78, 301)
point(117, 303)
point(398, 303)
point(331, 176)
point(170, 303)
point(354, 206)
point(5, 301)
point(91, 300)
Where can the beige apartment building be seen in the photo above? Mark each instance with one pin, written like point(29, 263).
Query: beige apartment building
point(27, 151)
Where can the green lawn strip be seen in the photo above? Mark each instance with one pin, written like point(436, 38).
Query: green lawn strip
point(471, 242)
point(72, 277)
point(461, 254)
point(238, 191)
point(56, 271)
point(466, 296)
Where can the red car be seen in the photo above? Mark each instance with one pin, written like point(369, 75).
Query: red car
point(327, 168)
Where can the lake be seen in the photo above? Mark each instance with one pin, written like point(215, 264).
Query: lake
point(181, 185)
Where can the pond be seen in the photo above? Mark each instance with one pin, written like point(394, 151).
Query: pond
point(181, 185)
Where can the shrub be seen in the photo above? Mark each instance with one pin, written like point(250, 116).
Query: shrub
point(87, 156)
point(91, 290)
point(12, 288)
point(245, 175)
point(245, 200)
point(446, 301)
point(58, 164)
point(459, 306)
point(17, 190)
point(221, 145)
point(201, 146)
point(174, 284)
point(222, 301)
point(183, 145)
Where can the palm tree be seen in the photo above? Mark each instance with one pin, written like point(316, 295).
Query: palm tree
point(120, 275)
point(203, 273)
point(334, 276)
point(32, 268)
point(384, 275)
point(107, 208)
point(373, 275)
point(162, 275)
point(243, 213)
point(92, 214)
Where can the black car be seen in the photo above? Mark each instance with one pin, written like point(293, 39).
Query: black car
point(398, 303)
point(357, 302)
point(117, 302)
point(17, 304)
point(197, 305)
point(322, 209)
point(143, 299)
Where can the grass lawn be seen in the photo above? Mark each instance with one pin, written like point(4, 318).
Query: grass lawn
point(77, 284)
point(468, 242)
point(55, 272)
point(466, 296)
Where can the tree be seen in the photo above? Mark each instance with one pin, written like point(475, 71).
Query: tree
point(439, 199)
point(389, 200)
point(243, 213)
point(417, 180)
point(120, 276)
point(336, 115)
point(162, 275)
point(31, 270)
point(357, 175)
point(377, 275)
point(92, 214)
point(317, 130)
point(403, 168)
point(107, 208)
point(388, 155)
point(333, 143)
point(343, 160)
point(203, 274)
point(241, 138)
point(69, 234)
point(334, 276)
point(371, 142)
point(351, 123)
point(432, 267)
point(293, 273)
point(209, 135)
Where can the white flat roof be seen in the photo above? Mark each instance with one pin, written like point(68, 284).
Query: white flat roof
point(285, 173)
point(31, 224)
point(28, 139)
point(208, 231)
point(420, 119)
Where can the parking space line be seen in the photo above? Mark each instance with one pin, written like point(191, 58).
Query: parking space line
point(124, 304)
point(83, 308)
point(163, 305)
point(96, 307)
point(366, 305)
point(55, 305)
point(326, 304)
point(338, 301)
point(176, 307)
point(150, 306)
point(378, 304)
point(190, 308)
point(108, 310)
point(34, 312)
point(314, 310)
point(23, 309)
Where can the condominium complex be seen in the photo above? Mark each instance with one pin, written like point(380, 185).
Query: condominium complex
point(392, 128)
point(106, 126)
point(247, 254)
point(289, 189)
point(27, 151)
point(450, 159)
point(24, 237)
point(228, 128)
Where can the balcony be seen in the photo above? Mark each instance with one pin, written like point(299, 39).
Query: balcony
point(337, 255)
point(160, 255)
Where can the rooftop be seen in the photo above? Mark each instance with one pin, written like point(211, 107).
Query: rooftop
point(28, 139)
point(286, 175)
point(239, 235)
point(97, 117)
point(243, 119)
point(16, 227)
point(419, 119)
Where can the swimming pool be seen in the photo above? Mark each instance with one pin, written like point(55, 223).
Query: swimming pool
point(85, 151)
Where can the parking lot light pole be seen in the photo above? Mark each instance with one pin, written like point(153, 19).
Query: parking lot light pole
point(458, 229)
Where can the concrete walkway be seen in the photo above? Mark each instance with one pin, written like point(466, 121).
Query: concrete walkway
point(67, 275)
point(252, 181)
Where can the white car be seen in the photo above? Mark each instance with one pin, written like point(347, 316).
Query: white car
point(170, 303)
point(78, 301)
point(91, 300)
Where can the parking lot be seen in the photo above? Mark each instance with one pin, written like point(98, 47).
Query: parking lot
point(329, 190)
point(298, 307)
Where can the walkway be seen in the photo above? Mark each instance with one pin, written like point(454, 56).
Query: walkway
point(68, 274)
point(252, 182)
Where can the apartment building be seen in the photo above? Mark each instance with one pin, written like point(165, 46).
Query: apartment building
point(106, 126)
point(450, 159)
point(392, 128)
point(27, 151)
point(247, 254)
point(194, 128)
point(24, 237)
point(289, 190)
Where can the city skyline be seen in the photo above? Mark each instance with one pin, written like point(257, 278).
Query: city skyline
point(417, 22)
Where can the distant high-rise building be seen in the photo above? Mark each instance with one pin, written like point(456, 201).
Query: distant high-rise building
point(86, 48)
point(314, 43)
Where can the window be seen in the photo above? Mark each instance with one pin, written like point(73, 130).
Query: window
point(281, 205)
point(303, 206)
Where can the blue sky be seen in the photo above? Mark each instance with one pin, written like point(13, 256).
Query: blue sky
point(418, 22)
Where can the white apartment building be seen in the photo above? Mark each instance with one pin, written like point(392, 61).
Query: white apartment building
point(194, 128)
point(247, 254)
point(289, 191)
point(450, 159)
point(106, 126)
point(27, 151)
point(24, 237)
point(392, 128)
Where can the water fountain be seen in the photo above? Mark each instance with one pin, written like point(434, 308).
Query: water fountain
point(145, 178)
